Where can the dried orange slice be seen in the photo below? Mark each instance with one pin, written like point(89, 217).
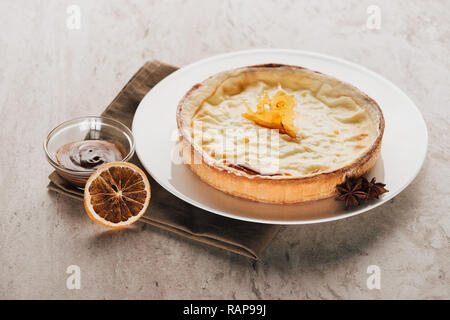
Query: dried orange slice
point(117, 194)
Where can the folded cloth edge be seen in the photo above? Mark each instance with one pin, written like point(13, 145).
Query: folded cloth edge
point(182, 232)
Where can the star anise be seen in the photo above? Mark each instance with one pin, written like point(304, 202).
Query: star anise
point(356, 191)
point(373, 189)
point(351, 191)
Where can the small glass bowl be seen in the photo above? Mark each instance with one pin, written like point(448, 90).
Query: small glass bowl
point(86, 128)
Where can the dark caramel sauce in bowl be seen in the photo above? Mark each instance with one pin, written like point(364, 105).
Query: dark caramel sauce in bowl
point(88, 155)
point(76, 148)
point(84, 157)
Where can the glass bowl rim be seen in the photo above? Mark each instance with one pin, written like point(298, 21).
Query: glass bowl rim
point(115, 123)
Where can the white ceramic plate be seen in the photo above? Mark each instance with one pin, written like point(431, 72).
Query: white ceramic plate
point(403, 149)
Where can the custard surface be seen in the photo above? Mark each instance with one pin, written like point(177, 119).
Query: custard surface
point(335, 127)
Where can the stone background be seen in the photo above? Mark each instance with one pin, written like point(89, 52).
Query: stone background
point(49, 74)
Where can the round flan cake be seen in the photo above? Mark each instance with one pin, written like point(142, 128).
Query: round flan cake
point(278, 133)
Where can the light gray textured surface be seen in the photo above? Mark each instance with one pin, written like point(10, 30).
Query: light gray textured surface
point(49, 74)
